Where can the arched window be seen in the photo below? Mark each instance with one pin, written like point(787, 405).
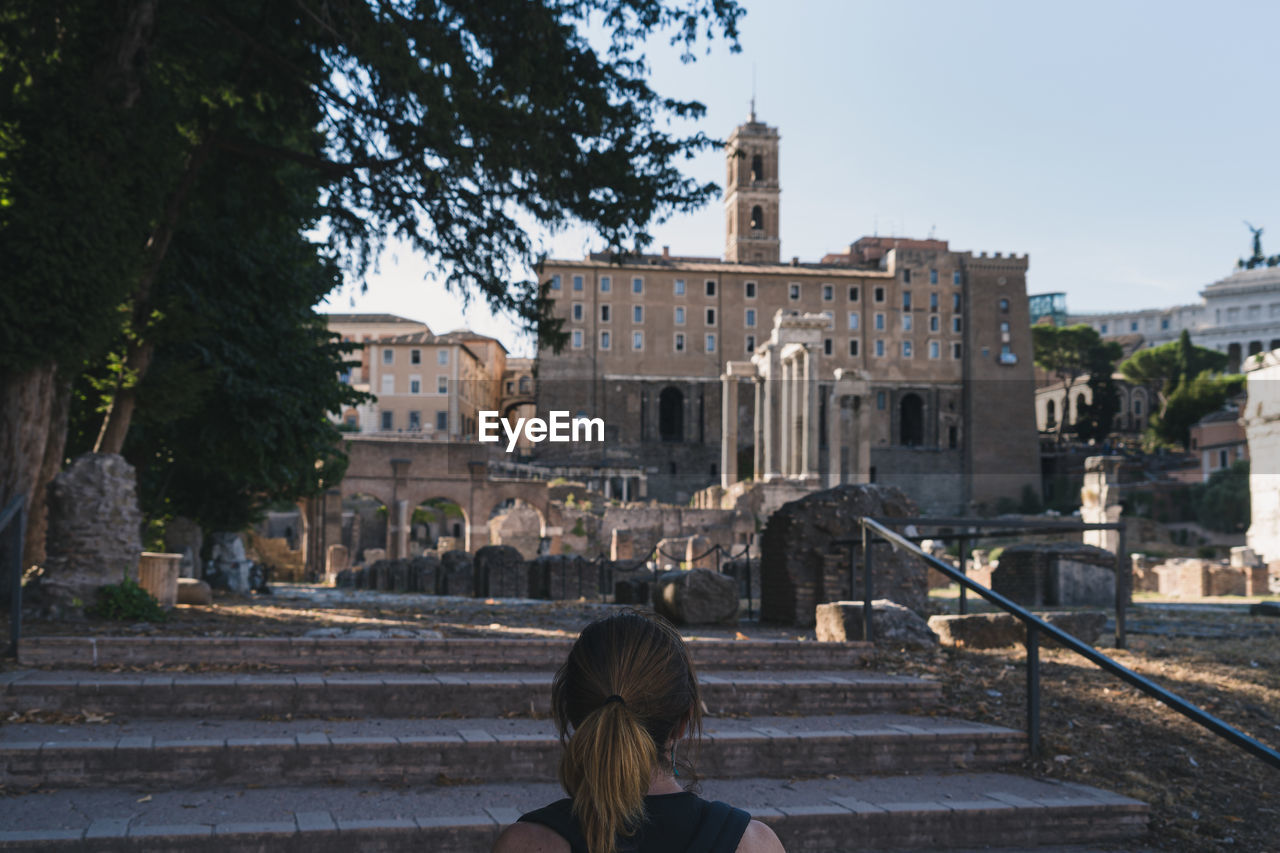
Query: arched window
point(1255, 347)
point(757, 218)
point(911, 421)
point(1050, 418)
point(671, 414)
point(1234, 357)
point(757, 168)
point(1080, 404)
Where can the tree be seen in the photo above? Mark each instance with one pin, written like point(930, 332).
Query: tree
point(1165, 367)
point(1191, 401)
point(1094, 420)
point(1069, 353)
point(1224, 503)
point(443, 124)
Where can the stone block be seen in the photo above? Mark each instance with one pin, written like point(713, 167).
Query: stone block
point(426, 572)
point(1056, 574)
point(697, 597)
point(891, 623)
point(158, 575)
point(622, 544)
point(458, 573)
point(337, 559)
point(1257, 581)
point(631, 591)
point(192, 591)
point(94, 531)
point(998, 630)
point(501, 571)
point(373, 555)
point(698, 554)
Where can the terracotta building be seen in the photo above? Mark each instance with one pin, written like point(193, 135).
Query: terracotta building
point(941, 338)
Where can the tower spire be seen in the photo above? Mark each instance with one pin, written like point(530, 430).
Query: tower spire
point(751, 116)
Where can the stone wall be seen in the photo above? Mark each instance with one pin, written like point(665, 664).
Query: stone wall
point(802, 567)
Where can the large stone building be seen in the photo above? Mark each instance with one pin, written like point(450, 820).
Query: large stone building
point(1238, 315)
point(941, 338)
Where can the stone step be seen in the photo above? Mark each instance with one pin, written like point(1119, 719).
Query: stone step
point(404, 694)
point(963, 811)
point(419, 654)
point(424, 751)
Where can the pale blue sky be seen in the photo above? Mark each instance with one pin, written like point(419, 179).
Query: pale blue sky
point(1120, 144)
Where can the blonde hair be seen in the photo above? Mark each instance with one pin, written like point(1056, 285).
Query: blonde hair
point(625, 692)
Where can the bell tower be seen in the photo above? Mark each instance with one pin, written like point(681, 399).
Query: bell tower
point(751, 194)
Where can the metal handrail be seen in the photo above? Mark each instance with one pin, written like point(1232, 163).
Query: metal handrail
point(1035, 625)
point(13, 519)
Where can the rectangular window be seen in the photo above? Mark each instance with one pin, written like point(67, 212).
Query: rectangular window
point(853, 294)
point(828, 346)
point(711, 343)
point(853, 321)
point(637, 340)
point(442, 356)
point(604, 314)
point(555, 282)
point(577, 282)
point(388, 384)
point(711, 316)
point(853, 347)
point(881, 401)
point(387, 421)
point(751, 344)
point(906, 300)
point(831, 318)
point(415, 420)
point(711, 287)
point(955, 303)
point(956, 325)
point(933, 276)
point(879, 322)
point(577, 312)
point(606, 283)
point(906, 276)
point(879, 349)
point(679, 341)
point(1104, 328)
point(933, 302)
point(934, 323)
point(577, 339)
point(1164, 322)
point(637, 313)
point(935, 349)
point(955, 278)
point(906, 322)
point(415, 386)
point(906, 349)
point(1222, 459)
point(679, 315)
point(749, 289)
point(415, 356)
point(828, 293)
point(793, 291)
point(388, 356)
point(442, 384)
point(955, 350)
point(442, 421)
point(637, 285)
point(679, 287)
point(604, 340)
point(879, 294)
point(751, 318)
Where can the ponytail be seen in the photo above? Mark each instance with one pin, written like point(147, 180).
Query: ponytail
point(607, 767)
point(627, 689)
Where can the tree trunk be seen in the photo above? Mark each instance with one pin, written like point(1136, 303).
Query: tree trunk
point(33, 429)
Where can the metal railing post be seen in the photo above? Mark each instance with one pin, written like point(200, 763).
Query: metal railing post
point(1033, 690)
point(17, 532)
point(964, 563)
point(1124, 580)
point(867, 632)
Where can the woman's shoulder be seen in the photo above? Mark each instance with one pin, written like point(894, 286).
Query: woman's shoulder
point(526, 837)
point(759, 838)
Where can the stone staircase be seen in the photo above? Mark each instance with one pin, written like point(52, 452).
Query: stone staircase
point(436, 744)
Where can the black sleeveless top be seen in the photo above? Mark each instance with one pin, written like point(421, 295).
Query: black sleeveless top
point(675, 823)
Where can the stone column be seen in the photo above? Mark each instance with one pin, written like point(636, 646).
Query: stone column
point(398, 530)
point(728, 430)
point(811, 391)
point(757, 432)
point(784, 418)
point(798, 404)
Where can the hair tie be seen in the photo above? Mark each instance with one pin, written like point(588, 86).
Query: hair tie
point(615, 698)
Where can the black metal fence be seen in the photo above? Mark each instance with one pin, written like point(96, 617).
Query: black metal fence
point(1035, 626)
